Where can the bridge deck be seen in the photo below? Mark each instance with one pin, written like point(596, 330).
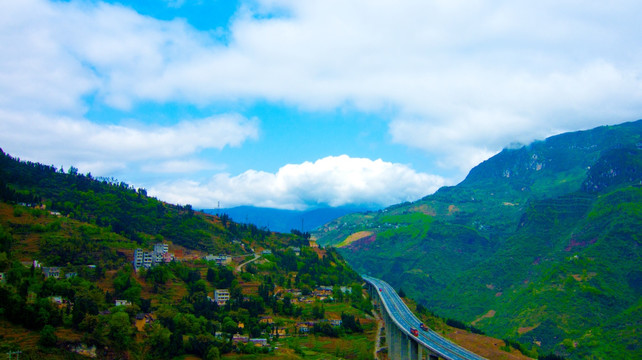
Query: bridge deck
point(404, 319)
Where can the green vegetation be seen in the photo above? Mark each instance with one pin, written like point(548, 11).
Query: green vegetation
point(88, 228)
point(538, 245)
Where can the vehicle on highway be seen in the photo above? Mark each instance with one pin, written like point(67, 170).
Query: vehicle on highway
point(414, 331)
point(423, 327)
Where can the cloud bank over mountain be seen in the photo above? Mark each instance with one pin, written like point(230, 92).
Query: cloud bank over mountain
point(331, 181)
point(112, 91)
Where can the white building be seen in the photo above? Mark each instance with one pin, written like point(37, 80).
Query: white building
point(122, 303)
point(142, 259)
point(221, 296)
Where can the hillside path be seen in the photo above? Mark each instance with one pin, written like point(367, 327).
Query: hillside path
point(256, 257)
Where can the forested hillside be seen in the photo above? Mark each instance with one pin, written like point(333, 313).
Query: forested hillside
point(539, 244)
point(68, 284)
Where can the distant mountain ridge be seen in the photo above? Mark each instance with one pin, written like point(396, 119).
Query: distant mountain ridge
point(285, 220)
point(539, 244)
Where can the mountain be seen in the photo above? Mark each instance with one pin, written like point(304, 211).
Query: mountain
point(67, 285)
point(539, 244)
point(285, 220)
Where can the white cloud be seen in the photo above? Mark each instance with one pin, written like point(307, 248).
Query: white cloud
point(464, 78)
point(333, 181)
point(110, 147)
point(180, 166)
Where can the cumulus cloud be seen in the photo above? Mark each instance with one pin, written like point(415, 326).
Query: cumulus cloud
point(110, 147)
point(458, 79)
point(333, 181)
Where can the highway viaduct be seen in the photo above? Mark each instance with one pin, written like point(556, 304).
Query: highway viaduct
point(399, 320)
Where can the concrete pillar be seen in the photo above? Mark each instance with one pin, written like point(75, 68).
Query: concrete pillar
point(405, 346)
point(391, 337)
point(413, 349)
point(395, 343)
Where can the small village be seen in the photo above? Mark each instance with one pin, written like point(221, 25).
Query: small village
point(310, 303)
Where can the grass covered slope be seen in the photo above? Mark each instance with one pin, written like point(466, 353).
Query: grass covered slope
point(538, 244)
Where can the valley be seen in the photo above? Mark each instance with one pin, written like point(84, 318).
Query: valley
point(538, 245)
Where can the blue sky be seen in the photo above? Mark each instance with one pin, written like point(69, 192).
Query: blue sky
point(295, 104)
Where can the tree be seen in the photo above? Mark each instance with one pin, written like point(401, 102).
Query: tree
point(213, 353)
point(48, 336)
point(120, 330)
point(318, 311)
point(229, 326)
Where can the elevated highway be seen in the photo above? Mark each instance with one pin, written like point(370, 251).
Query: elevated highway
point(399, 320)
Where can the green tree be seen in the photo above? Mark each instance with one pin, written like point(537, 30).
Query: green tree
point(48, 336)
point(229, 326)
point(158, 338)
point(213, 353)
point(120, 331)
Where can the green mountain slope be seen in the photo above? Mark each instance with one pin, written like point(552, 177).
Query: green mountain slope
point(85, 230)
point(538, 244)
point(88, 229)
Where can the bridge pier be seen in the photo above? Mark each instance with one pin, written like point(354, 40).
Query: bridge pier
point(404, 344)
point(400, 345)
point(413, 350)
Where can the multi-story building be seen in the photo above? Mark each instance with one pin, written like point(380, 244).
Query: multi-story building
point(142, 259)
point(221, 296)
point(160, 249)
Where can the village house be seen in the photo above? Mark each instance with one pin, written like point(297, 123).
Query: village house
point(266, 320)
point(303, 327)
point(323, 292)
point(259, 342)
point(57, 300)
point(70, 275)
point(221, 296)
point(2, 277)
point(168, 257)
point(219, 259)
point(266, 252)
point(279, 331)
point(52, 271)
point(122, 303)
point(237, 338)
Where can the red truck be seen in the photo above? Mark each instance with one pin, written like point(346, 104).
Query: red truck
point(414, 331)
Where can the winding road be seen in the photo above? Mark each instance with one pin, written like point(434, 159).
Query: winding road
point(256, 257)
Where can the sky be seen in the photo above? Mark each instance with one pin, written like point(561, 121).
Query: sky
point(297, 104)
